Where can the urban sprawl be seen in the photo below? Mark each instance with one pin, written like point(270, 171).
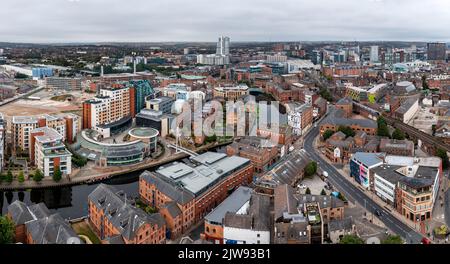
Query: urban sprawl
point(225, 143)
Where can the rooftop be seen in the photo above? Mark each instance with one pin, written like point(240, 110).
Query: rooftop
point(211, 168)
point(232, 204)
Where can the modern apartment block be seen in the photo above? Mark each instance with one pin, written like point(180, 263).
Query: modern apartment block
point(117, 221)
point(2, 141)
point(141, 89)
point(109, 111)
point(48, 152)
point(196, 187)
point(21, 129)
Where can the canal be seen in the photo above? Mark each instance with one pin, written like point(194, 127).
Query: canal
point(71, 201)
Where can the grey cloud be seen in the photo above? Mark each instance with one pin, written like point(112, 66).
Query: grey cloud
point(204, 20)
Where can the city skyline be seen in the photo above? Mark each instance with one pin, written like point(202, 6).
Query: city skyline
point(79, 21)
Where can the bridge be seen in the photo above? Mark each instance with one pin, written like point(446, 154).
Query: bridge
point(182, 149)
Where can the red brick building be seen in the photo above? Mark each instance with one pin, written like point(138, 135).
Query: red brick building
point(195, 189)
point(114, 219)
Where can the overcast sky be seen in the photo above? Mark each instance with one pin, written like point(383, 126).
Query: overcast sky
point(204, 20)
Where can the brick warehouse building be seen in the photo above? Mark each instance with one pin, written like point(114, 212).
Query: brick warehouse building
point(196, 188)
point(115, 220)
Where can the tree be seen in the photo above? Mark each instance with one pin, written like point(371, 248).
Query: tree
point(341, 197)
point(380, 121)
point(392, 239)
point(383, 130)
point(347, 131)
point(323, 192)
point(6, 230)
point(327, 134)
point(21, 177)
point(325, 93)
point(425, 83)
point(398, 134)
point(311, 168)
point(351, 239)
point(9, 176)
point(308, 191)
point(38, 176)
point(57, 174)
point(443, 155)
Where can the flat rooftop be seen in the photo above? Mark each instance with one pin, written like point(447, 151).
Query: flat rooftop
point(211, 169)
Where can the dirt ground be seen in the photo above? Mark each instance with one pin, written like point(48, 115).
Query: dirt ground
point(26, 107)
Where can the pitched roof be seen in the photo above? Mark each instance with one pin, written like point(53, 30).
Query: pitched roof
point(172, 208)
point(284, 201)
point(177, 194)
point(19, 212)
point(340, 224)
point(125, 217)
point(257, 218)
point(52, 229)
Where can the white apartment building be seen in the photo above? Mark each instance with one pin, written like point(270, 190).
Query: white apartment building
point(21, 127)
point(49, 152)
point(110, 106)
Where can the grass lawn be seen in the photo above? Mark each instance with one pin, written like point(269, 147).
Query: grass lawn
point(83, 228)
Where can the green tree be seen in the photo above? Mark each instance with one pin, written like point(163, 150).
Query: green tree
point(308, 191)
point(38, 176)
point(311, 168)
point(325, 93)
point(9, 176)
point(21, 177)
point(425, 83)
point(443, 155)
point(327, 134)
point(392, 239)
point(398, 134)
point(6, 230)
point(351, 239)
point(341, 197)
point(57, 174)
point(347, 131)
point(323, 192)
point(383, 130)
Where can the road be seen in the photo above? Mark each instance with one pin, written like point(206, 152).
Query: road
point(354, 194)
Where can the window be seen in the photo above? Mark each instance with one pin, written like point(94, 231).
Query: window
point(258, 235)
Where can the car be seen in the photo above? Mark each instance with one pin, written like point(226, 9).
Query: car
point(301, 186)
point(425, 241)
point(378, 213)
point(325, 174)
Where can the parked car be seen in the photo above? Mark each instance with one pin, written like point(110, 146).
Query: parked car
point(301, 186)
point(425, 241)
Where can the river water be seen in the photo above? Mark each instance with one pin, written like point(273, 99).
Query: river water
point(71, 201)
